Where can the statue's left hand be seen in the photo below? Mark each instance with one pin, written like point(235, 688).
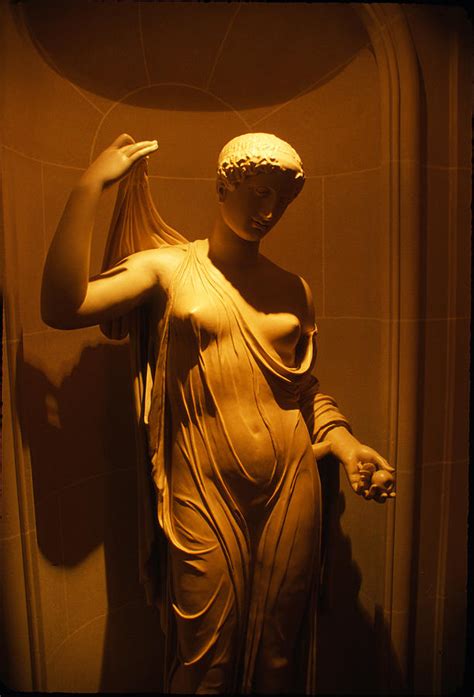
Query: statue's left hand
point(369, 474)
point(116, 161)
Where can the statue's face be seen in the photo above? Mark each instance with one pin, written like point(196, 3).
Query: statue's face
point(257, 203)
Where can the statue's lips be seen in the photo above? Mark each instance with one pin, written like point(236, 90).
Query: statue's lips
point(259, 225)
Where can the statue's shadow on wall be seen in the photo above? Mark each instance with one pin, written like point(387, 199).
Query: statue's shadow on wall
point(80, 436)
point(81, 441)
point(355, 653)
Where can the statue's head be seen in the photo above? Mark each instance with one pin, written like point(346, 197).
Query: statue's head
point(258, 175)
point(255, 153)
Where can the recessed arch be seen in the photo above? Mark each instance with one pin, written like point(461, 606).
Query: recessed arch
point(399, 82)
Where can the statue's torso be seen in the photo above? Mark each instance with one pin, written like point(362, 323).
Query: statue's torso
point(238, 490)
point(232, 398)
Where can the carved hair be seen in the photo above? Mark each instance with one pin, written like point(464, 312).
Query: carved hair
point(253, 153)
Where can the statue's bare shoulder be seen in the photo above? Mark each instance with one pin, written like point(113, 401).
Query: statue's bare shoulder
point(291, 288)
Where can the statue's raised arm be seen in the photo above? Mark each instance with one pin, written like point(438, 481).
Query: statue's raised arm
point(69, 298)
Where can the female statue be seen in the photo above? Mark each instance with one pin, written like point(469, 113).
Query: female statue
point(234, 417)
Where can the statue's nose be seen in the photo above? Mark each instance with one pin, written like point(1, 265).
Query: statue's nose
point(267, 206)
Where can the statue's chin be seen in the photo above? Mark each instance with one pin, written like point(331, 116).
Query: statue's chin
point(252, 233)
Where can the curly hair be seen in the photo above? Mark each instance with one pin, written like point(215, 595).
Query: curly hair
point(253, 153)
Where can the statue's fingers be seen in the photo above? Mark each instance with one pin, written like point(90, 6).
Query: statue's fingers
point(383, 464)
point(365, 483)
point(358, 487)
point(143, 152)
point(365, 476)
point(133, 148)
point(123, 139)
point(384, 480)
point(380, 496)
point(365, 491)
point(373, 458)
point(366, 466)
point(379, 492)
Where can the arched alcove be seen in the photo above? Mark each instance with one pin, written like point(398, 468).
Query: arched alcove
point(345, 84)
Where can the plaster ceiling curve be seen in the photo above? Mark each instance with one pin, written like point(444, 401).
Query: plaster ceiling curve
point(248, 55)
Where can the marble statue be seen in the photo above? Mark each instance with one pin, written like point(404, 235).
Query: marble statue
point(234, 421)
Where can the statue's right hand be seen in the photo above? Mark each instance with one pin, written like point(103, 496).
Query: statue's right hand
point(116, 160)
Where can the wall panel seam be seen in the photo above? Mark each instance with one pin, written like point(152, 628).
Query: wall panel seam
point(450, 362)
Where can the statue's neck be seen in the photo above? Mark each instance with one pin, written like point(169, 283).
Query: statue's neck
point(228, 249)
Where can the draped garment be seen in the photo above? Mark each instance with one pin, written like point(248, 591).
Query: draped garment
point(236, 489)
